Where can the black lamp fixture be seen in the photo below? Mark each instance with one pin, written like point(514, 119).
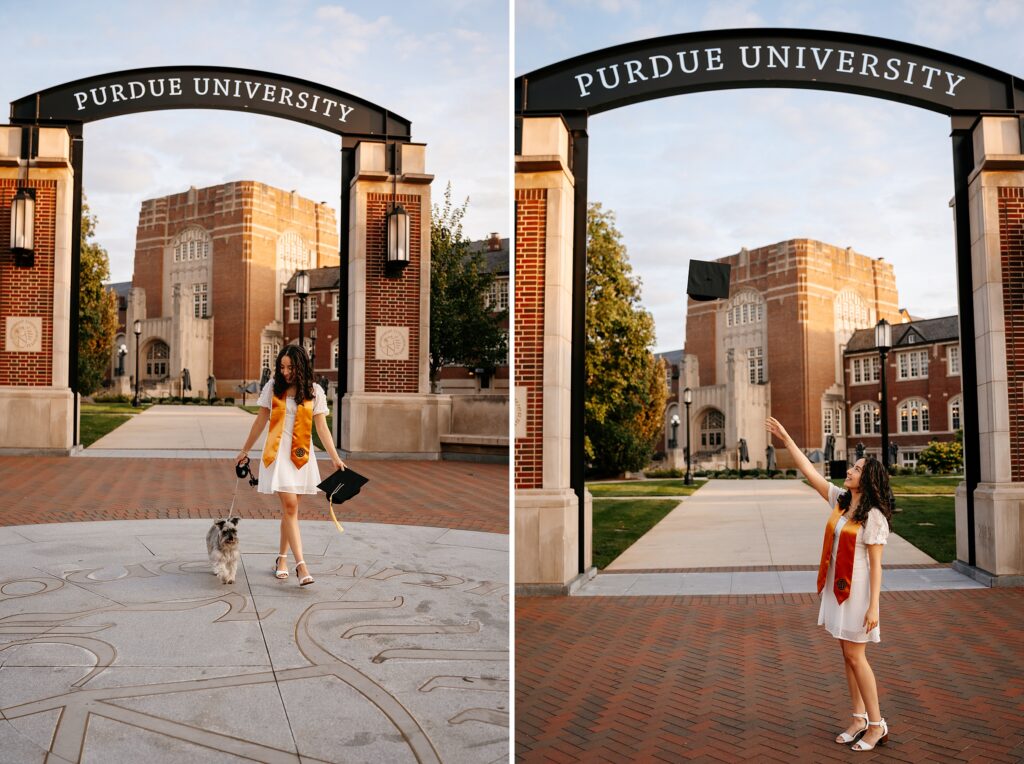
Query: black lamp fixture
point(137, 328)
point(397, 226)
point(687, 400)
point(883, 342)
point(672, 442)
point(302, 290)
point(23, 220)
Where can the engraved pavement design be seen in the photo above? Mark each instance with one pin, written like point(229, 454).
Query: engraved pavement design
point(117, 644)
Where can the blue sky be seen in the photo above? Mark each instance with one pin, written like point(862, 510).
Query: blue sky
point(703, 175)
point(441, 65)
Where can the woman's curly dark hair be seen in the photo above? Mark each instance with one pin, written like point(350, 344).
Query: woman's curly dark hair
point(874, 492)
point(303, 373)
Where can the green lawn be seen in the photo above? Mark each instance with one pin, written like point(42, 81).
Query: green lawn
point(921, 484)
point(617, 524)
point(97, 419)
point(928, 522)
point(643, 488)
point(925, 484)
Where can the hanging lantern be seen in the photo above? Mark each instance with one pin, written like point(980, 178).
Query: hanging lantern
point(23, 218)
point(398, 240)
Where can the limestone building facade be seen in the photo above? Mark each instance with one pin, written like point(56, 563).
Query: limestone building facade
point(776, 346)
point(219, 257)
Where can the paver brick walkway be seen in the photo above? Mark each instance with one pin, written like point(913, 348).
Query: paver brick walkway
point(753, 679)
point(442, 494)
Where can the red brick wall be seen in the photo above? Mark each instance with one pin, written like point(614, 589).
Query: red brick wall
point(244, 219)
point(531, 215)
point(798, 279)
point(938, 388)
point(392, 302)
point(28, 291)
point(1011, 248)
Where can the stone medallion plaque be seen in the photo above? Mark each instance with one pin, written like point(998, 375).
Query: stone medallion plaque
point(392, 343)
point(24, 334)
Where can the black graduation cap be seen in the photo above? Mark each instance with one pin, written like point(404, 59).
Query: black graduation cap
point(342, 485)
point(707, 280)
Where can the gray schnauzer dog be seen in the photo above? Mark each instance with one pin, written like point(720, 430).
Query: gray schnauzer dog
point(222, 544)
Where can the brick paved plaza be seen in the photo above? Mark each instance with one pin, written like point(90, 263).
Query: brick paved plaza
point(752, 679)
point(445, 494)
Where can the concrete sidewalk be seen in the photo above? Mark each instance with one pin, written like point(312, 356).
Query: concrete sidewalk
point(180, 432)
point(118, 645)
point(745, 523)
point(743, 537)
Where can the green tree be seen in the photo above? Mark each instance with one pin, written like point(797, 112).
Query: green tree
point(97, 309)
point(626, 392)
point(942, 457)
point(464, 331)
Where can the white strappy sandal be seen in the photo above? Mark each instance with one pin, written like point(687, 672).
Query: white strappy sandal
point(860, 745)
point(846, 738)
point(307, 579)
point(281, 574)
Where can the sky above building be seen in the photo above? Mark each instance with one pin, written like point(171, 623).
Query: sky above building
point(440, 64)
point(703, 175)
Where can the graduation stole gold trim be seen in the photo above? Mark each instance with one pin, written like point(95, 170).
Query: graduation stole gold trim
point(844, 555)
point(301, 432)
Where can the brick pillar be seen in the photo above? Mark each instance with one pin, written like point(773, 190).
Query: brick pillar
point(36, 403)
point(546, 508)
point(996, 194)
point(388, 410)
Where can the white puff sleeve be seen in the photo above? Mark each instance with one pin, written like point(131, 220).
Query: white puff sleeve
point(266, 395)
point(319, 400)
point(876, 528)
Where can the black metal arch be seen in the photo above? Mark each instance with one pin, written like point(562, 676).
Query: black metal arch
point(134, 91)
point(767, 58)
point(728, 59)
point(203, 87)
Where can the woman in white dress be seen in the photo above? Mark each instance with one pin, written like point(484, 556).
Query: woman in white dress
point(850, 578)
point(292, 403)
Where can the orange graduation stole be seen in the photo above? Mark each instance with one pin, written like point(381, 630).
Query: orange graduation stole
point(301, 432)
point(844, 555)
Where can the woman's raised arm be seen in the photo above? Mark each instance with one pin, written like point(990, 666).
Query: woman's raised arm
point(819, 483)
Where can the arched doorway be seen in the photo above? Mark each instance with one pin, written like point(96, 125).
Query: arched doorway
point(553, 107)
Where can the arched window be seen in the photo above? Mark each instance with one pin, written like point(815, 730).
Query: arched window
point(955, 413)
point(867, 419)
point(157, 355)
point(745, 308)
point(712, 430)
point(191, 244)
point(913, 415)
point(292, 254)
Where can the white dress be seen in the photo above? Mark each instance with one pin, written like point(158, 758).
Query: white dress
point(281, 475)
point(846, 621)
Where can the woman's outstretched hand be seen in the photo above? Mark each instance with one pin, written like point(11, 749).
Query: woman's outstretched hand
point(774, 426)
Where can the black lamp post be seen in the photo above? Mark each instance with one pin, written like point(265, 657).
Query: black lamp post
point(23, 217)
point(687, 400)
point(312, 347)
point(673, 443)
point(137, 328)
point(883, 341)
point(302, 290)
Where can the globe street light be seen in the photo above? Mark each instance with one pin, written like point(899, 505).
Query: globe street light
point(673, 443)
point(883, 341)
point(137, 328)
point(688, 399)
